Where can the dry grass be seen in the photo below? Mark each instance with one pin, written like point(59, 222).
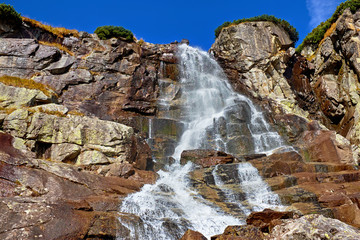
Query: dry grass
point(26, 83)
point(95, 73)
point(7, 111)
point(56, 113)
point(141, 42)
point(57, 45)
point(310, 58)
point(328, 32)
point(58, 31)
point(83, 57)
point(76, 113)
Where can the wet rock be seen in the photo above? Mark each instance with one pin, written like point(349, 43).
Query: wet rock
point(206, 158)
point(240, 233)
point(103, 227)
point(140, 154)
point(192, 235)
point(267, 219)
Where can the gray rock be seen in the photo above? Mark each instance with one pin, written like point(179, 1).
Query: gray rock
point(60, 82)
point(91, 158)
point(61, 66)
point(17, 47)
point(64, 152)
point(314, 227)
point(110, 138)
point(12, 97)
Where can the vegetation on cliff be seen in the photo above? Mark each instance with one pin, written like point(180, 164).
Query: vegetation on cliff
point(25, 83)
point(293, 33)
point(57, 31)
point(107, 32)
point(8, 14)
point(318, 33)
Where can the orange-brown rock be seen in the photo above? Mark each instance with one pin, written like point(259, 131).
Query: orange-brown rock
point(267, 219)
point(246, 232)
point(206, 158)
point(324, 147)
point(192, 235)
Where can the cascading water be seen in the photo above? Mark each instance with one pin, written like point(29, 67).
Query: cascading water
point(215, 117)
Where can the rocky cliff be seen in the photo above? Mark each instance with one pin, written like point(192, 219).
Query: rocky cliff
point(67, 159)
point(312, 101)
point(75, 111)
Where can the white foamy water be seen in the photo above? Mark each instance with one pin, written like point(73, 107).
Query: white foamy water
point(212, 113)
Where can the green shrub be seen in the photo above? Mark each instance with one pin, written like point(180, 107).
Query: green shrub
point(107, 32)
point(293, 33)
point(317, 34)
point(8, 14)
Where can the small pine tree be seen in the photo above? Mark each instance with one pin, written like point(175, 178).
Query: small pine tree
point(107, 32)
point(9, 15)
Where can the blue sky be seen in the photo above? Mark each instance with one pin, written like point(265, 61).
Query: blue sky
point(165, 21)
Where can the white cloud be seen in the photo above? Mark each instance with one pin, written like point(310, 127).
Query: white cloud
point(320, 10)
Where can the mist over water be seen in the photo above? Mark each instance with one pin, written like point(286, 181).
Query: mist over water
point(215, 117)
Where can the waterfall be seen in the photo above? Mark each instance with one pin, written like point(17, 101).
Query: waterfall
point(215, 117)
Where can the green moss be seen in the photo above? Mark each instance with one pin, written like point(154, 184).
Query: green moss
point(107, 32)
point(8, 14)
point(293, 33)
point(318, 33)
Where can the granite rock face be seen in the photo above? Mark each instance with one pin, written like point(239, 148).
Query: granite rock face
point(291, 88)
point(253, 55)
point(53, 200)
point(314, 227)
point(311, 226)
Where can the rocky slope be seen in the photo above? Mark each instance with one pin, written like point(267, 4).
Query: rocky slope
point(66, 158)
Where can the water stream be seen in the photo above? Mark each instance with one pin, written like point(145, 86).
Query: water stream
point(215, 117)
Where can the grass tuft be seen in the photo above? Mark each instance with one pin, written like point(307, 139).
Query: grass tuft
point(57, 45)
point(57, 31)
point(26, 83)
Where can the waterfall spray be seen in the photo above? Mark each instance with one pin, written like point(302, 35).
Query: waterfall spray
point(215, 117)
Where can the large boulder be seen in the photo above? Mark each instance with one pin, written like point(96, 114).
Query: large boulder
point(206, 158)
point(192, 235)
point(53, 133)
point(252, 55)
point(240, 233)
point(314, 227)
